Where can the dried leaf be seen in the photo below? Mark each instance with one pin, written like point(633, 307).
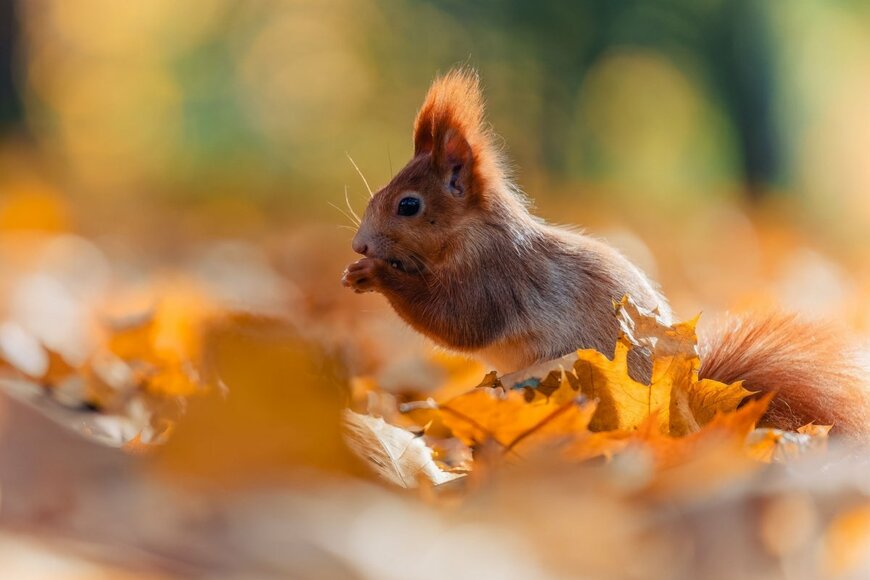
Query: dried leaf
point(450, 454)
point(282, 409)
point(21, 351)
point(623, 403)
point(813, 430)
point(517, 424)
point(491, 413)
point(643, 328)
point(694, 403)
point(394, 453)
point(675, 398)
point(777, 446)
point(726, 428)
point(58, 369)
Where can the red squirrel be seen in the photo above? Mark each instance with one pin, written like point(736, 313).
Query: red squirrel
point(451, 244)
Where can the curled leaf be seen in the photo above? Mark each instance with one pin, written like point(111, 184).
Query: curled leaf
point(394, 453)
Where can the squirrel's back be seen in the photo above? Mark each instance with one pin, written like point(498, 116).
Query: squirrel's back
point(564, 284)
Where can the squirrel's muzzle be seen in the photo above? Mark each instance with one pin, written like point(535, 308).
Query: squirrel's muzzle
point(361, 243)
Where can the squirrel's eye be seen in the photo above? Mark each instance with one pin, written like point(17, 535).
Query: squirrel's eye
point(409, 206)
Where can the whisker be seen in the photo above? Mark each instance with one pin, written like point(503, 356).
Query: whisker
point(344, 213)
point(347, 201)
point(348, 228)
point(390, 159)
point(363, 177)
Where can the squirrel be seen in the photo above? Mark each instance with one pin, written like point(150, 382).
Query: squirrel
point(452, 245)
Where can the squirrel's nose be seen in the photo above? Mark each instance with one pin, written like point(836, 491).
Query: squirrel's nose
point(360, 246)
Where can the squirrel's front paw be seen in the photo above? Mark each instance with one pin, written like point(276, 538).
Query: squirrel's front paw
point(363, 275)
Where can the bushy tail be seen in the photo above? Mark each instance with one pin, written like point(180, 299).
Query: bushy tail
point(817, 373)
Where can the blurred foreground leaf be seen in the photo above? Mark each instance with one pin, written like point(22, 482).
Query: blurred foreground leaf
point(277, 408)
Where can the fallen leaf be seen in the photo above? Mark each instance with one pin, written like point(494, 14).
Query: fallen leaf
point(778, 446)
point(644, 328)
point(281, 410)
point(395, 454)
point(519, 425)
point(623, 403)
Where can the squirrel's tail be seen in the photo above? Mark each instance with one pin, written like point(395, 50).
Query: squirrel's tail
point(818, 374)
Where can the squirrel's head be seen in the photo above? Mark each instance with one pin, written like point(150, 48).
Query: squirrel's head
point(431, 205)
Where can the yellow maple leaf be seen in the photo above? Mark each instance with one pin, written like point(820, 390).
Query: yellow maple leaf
point(695, 402)
point(488, 413)
point(729, 427)
point(623, 403)
point(596, 408)
point(675, 398)
point(644, 329)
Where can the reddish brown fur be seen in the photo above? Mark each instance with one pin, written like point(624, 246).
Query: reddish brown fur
point(454, 106)
point(476, 272)
point(816, 372)
point(479, 273)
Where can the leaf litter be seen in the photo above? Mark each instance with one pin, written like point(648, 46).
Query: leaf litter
point(194, 402)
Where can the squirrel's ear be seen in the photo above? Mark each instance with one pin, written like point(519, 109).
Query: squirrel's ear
point(450, 127)
point(454, 160)
point(424, 134)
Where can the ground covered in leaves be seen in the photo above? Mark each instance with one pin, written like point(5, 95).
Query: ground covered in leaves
point(221, 418)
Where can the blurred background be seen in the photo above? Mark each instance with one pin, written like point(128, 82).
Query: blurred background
point(721, 144)
point(163, 163)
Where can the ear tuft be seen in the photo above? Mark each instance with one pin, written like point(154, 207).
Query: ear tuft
point(450, 125)
point(454, 101)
